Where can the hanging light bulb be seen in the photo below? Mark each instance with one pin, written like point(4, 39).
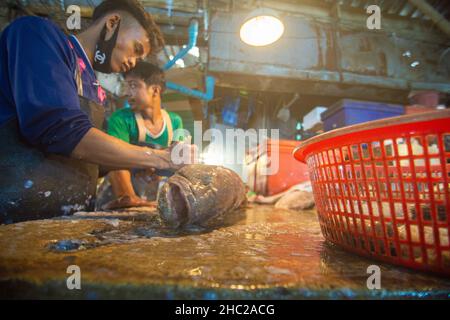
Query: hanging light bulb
point(261, 28)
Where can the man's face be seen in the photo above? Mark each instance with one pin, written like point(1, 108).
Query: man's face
point(132, 44)
point(140, 95)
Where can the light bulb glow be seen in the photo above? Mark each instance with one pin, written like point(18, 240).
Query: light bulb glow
point(261, 30)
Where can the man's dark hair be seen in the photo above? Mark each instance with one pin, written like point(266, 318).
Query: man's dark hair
point(136, 9)
point(151, 74)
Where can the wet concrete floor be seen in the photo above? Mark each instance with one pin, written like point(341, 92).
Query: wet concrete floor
point(258, 253)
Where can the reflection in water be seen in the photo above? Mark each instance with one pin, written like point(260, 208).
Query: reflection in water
point(144, 226)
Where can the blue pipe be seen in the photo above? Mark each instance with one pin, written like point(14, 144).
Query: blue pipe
point(208, 95)
point(210, 81)
point(169, 8)
point(193, 33)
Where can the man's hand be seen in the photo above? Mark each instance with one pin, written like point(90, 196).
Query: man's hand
point(101, 148)
point(176, 156)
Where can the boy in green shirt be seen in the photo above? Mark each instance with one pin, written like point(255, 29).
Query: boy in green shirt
point(144, 123)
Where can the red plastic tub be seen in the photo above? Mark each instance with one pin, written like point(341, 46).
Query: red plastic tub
point(290, 171)
point(382, 188)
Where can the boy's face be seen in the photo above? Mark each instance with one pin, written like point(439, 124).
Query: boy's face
point(140, 95)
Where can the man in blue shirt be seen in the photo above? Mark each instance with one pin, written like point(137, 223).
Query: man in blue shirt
point(48, 98)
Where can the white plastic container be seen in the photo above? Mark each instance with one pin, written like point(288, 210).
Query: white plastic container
point(313, 117)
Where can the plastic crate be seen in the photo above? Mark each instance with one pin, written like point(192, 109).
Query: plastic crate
point(418, 109)
point(382, 188)
point(348, 112)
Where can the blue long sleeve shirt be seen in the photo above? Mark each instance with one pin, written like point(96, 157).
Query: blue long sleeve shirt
point(38, 86)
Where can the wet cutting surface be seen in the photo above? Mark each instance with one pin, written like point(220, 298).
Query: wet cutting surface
point(258, 253)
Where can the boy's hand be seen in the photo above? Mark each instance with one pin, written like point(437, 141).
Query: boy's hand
point(128, 201)
point(182, 153)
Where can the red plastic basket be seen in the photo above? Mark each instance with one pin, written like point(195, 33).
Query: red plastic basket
point(382, 188)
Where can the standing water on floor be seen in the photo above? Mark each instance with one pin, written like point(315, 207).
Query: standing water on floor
point(259, 252)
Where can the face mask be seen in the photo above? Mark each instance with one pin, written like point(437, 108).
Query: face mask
point(103, 51)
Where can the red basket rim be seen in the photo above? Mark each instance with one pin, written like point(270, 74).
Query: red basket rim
point(394, 126)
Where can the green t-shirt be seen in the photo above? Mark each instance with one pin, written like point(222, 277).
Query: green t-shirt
point(122, 124)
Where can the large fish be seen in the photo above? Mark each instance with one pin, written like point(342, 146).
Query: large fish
point(197, 194)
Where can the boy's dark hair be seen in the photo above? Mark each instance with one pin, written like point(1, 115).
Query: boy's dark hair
point(151, 74)
point(136, 9)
